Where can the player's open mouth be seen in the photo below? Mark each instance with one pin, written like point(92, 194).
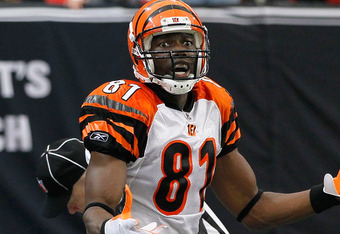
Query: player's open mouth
point(182, 70)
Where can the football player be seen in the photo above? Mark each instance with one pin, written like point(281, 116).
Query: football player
point(173, 134)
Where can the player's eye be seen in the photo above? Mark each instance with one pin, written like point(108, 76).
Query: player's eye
point(188, 43)
point(164, 44)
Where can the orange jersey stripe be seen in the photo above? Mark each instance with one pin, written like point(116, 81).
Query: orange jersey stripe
point(232, 128)
point(236, 137)
point(82, 118)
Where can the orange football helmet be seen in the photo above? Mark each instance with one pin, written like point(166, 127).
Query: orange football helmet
point(159, 17)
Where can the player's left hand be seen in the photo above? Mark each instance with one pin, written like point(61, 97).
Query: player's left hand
point(332, 185)
point(152, 228)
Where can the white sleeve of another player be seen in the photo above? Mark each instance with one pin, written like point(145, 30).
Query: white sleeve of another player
point(212, 223)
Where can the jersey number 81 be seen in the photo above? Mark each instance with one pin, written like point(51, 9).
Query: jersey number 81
point(171, 194)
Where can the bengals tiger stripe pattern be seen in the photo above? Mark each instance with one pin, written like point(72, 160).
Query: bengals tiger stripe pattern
point(170, 154)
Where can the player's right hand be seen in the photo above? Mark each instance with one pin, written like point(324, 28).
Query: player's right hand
point(129, 226)
point(125, 224)
point(152, 228)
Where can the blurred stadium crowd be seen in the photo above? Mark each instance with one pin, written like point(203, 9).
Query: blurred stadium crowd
point(79, 4)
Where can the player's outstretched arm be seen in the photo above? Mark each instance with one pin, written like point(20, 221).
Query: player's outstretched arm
point(235, 185)
point(104, 187)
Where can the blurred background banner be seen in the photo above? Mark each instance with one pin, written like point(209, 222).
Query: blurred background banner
point(281, 65)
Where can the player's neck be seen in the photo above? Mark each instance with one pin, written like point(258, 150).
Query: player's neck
point(179, 100)
point(173, 101)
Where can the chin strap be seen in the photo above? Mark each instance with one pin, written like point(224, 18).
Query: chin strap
point(175, 87)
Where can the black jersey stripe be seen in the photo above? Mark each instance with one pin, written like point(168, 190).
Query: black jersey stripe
point(139, 131)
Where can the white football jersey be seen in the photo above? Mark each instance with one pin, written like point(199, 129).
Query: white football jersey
point(170, 154)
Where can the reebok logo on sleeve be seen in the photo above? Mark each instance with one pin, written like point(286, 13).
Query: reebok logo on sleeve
point(99, 136)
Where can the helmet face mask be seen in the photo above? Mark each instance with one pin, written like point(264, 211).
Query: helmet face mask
point(167, 17)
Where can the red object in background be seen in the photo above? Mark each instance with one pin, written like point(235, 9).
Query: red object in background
point(142, 2)
point(56, 2)
point(333, 2)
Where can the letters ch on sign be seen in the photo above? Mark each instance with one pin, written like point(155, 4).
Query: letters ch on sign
point(15, 133)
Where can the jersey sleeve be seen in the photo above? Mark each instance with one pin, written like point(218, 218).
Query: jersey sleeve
point(230, 130)
point(231, 133)
point(114, 120)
